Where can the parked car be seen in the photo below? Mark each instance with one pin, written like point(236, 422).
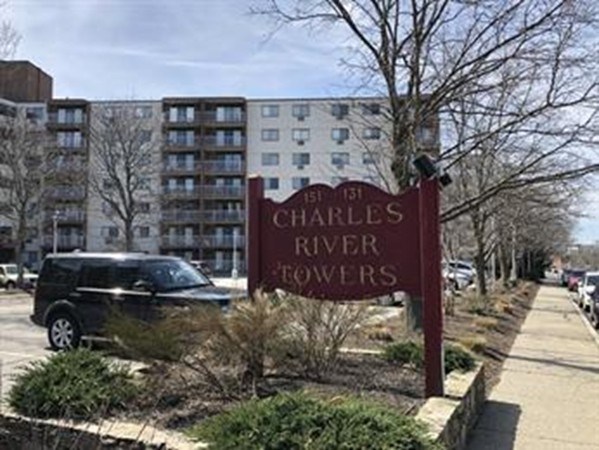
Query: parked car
point(564, 277)
point(586, 287)
point(464, 267)
point(458, 274)
point(574, 278)
point(76, 292)
point(594, 312)
point(9, 276)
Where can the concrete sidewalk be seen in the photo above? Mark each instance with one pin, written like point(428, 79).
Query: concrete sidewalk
point(548, 396)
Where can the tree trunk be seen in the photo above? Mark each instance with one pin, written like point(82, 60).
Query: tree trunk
point(478, 230)
point(129, 236)
point(504, 265)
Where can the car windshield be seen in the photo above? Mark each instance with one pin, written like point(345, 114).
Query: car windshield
point(577, 273)
point(171, 275)
point(593, 280)
point(11, 270)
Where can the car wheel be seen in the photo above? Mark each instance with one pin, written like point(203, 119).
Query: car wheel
point(10, 285)
point(63, 332)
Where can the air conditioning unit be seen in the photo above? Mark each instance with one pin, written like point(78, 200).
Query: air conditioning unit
point(340, 142)
point(300, 118)
point(300, 167)
point(300, 142)
point(109, 240)
point(340, 166)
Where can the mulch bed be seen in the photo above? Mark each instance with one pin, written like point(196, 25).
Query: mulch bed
point(176, 400)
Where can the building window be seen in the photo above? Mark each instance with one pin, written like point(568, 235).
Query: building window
point(300, 134)
point(300, 110)
point(182, 114)
point(271, 183)
point(184, 138)
point(145, 136)
point(270, 134)
point(370, 158)
point(143, 112)
point(338, 180)
point(144, 207)
point(425, 136)
point(143, 232)
point(270, 110)
point(270, 159)
point(229, 114)
point(340, 110)
point(339, 158)
point(35, 114)
point(301, 159)
point(112, 232)
point(71, 115)
point(340, 134)
point(299, 182)
point(371, 133)
point(371, 109)
point(69, 139)
point(145, 183)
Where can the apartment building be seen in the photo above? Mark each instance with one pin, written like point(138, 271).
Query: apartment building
point(201, 150)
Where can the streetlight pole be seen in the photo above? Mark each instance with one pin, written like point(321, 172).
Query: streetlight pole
point(55, 218)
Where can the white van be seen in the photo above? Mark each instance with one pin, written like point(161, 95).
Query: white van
point(9, 274)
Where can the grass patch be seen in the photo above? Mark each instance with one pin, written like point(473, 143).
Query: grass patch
point(78, 384)
point(486, 323)
point(297, 421)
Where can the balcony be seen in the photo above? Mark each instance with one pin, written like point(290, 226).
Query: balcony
point(70, 216)
point(54, 121)
point(181, 146)
point(212, 191)
point(181, 121)
point(224, 167)
point(67, 241)
point(221, 241)
point(180, 169)
point(224, 142)
point(65, 193)
point(180, 216)
point(228, 117)
point(66, 168)
point(179, 242)
point(74, 145)
point(180, 192)
point(225, 265)
point(223, 216)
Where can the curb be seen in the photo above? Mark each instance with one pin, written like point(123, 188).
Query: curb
point(592, 332)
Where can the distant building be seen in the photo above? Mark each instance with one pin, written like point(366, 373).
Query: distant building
point(205, 149)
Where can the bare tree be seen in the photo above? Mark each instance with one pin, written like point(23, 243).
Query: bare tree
point(22, 168)
point(121, 166)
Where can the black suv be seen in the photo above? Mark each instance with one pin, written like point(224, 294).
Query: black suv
point(76, 292)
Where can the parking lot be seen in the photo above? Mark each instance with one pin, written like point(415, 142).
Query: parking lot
point(20, 341)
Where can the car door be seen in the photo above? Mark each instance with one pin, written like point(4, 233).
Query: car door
point(134, 302)
point(92, 296)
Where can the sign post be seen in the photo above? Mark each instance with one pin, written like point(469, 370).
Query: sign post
point(430, 259)
point(254, 202)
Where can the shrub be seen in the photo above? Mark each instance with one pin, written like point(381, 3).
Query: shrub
point(476, 344)
point(405, 353)
point(485, 323)
point(316, 332)
point(457, 358)
point(412, 353)
point(78, 384)
point(297, 421)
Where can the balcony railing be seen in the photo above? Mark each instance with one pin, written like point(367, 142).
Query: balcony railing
point(226, 117)
point(181, 120)
point(224, 166)
point(66, 168)
point(223, 141)
point(66, 193)
point(66, 216)
point(65, 241)
point(180, 192)
point(74, 145)
point(54, 119)
point(182, 144)
point(181, 216)
point(222, 241)
point(169, 168)
point(180, 241)
point(223, 216)
point(224, 265)
point(210, 191)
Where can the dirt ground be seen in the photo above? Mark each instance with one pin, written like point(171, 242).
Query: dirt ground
point(175, 399)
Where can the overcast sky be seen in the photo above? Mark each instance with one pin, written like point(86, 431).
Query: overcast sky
point(149, 49)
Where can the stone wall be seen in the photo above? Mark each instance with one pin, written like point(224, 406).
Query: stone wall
point(450, 418)
point(20, 433)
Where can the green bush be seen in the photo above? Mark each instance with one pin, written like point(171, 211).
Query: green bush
point(403, 353)
point(457, 358)
point(297, 421)
point(78, 384)
point(412, 353)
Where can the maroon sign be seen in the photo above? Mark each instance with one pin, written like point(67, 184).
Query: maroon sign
point(350, 242)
